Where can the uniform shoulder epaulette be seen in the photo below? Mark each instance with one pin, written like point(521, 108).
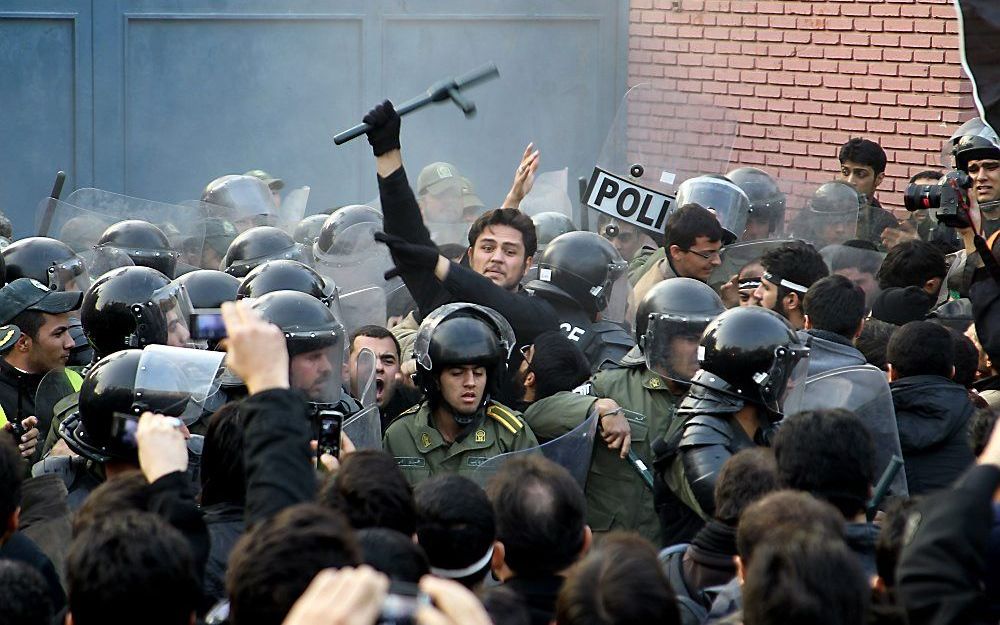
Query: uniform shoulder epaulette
point(409, 410)
point(505, 417)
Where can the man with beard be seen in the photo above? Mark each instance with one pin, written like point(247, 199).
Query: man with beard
point(789, 271)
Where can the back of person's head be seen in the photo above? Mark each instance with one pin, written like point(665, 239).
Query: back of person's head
point(745, 477)
point(558, 364)
point(804, 578)
point(126, 491)
point(966, 359)
point(131, 567)
point(222, 476)
point(921, 348)
point(371, 491)
point(874, 340)
point(505, 606)
point(781, 511)
point(689, 222)
point(393, 553)
point(273, 563)
point(927, 174)
point(863, 152)
point(620, 582)
point(506, 217)
point(980, 428)
point(540, 512)
point(891, 537)
point(456, 527)
point(830, 454)
point(835, 304)
point(24, 595)
point(796, 262)
point(11, 476)
point(912, 263)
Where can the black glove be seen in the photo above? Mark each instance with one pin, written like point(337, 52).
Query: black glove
point(384, 135)
point(408, 255)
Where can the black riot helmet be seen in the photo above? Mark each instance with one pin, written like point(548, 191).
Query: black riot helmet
point(144, 243)
point(134, 307)
point(462, 334)
point(257, 245)
point(974, 148)
point(767, 201)
point(308, 229)
point(580, 267)
point(287, 275)
point(753, 354)
point(340, 221)
point(835, 199)
point(209, 288)
point(32, 257)
point(549, 225)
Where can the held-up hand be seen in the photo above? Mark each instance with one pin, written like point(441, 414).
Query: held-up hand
point(384, 135)
point(256, 349)
point(326, 461)
point(615, 429)
point(453, 604)
point(408, 255)
point(162, 446)
point(28, 441)
point(524, 177)
point(346, 596)
point(891, 237)
point(730, 292)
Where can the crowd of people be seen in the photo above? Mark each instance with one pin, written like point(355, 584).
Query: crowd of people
point(426, 411)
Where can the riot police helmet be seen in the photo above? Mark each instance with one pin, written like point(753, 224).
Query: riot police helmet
point(256, 245)
point(209, 288)
point(287, 275)
point(145, 244)
point(767, 201)
point(580, 267)
point(975, 148)
point(549, 225)
point(245, 199)
point(307, 230)
point(717, 193)
point(34, 256)
point(340, 221)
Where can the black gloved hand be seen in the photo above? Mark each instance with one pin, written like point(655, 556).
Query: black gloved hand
point(408, 255)
point(384, 135)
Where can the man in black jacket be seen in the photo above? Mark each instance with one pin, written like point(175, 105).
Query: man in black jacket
point(932, 411)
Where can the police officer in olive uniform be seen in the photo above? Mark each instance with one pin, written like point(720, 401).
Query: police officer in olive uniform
point(648, 384)
point(461, 352)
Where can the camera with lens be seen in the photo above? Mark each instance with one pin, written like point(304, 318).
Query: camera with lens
point(950, 196)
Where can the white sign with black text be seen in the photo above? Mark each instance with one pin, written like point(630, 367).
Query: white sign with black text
point(628, 201)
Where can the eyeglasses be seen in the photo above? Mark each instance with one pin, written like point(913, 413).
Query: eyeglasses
point(705, 255)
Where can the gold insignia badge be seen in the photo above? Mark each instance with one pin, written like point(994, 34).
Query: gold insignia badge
point(425, 439)
point(480, 436)
point(654, 382)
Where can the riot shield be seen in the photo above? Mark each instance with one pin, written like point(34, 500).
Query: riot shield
point(364, 373)
point(572, 451)
point(659, 139)
point(548, 194)
point(184, 226)
point(738, 255)
point(859, 265)
point(177, 381)
point(863, 390)
point(355, 260)
point(293, 209)
point(364, 428)
point(829, 216)
point(363, 307)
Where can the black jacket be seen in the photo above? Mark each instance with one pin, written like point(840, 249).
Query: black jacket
point(539, 593)
point(17, 391)
point(933, 415)
point(19, 547)
point(225, 526)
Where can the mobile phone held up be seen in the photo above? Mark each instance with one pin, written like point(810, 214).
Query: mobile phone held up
point(205, 324)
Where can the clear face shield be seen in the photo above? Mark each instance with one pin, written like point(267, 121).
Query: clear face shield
point(165, 318)
point(355, 260)
point(316, 363)
point(729, 203)
point(177, 382)
point(670, 345)
point(618, 293)
point(783, 387)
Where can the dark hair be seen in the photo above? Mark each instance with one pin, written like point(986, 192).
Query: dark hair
point(376, 332)
point(540, 512)
point(127, 491)
point(966, 359)
point(796, 262)
point(745, 477)
point(927, 173)
point(783, 511)
point(981, 428)
point(223, 478)
point(689, 222)
point(911, 263)
point(805, 577)
point(371, 491)
point(506, 217)
point(849, 256)
point(455, 524)
point(829, 453)
point(11, 476)
point(863, 152)
point(558, 364)
point(835, 304)
point(921, 348)
point(619, 582)
point(24, 595)
point(505, 606)
point(282, 555)
point(393, 553)
point(29, 322)
point(874, 340)
point(130, 566)
point(889, 543)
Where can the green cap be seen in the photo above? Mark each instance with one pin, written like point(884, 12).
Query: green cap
point(275, 184)
point(438, 176)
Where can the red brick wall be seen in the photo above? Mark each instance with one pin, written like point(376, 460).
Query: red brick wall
point(805, 76)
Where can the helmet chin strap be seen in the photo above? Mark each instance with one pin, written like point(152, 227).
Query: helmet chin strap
point(467, 420)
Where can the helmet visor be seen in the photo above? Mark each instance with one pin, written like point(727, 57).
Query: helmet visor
point(670, 345)
point(316, 364)
point(725, 199)
point(174, 307)
point(783, 387)
point(177, 382)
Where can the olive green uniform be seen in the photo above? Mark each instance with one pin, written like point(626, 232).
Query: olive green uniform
point(643, 260)
point(617, 497)
point(420, 450)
